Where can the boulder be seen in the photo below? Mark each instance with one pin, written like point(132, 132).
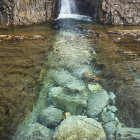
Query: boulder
point(50, 116)
point(75, 104)
point(94, 88)
point(110, 128)
point(128, 134)
point(36, 132)
point(112, 108)
point(96, 103)
point(79, 128)
point(112, 97)
point(64, 78)
point(107, 117)
point(90, 77)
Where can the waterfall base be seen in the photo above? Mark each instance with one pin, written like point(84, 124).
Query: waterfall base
point(74, 16)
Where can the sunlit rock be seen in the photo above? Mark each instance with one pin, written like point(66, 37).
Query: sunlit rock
point(75, 104)
point(96, 103)
point(50, 116)
point(36, 132)
point(37, 37)
point(67, 114)
point(94, 88)
point(79, 128)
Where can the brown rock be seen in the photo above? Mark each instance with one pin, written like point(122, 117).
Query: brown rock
point(90, 77)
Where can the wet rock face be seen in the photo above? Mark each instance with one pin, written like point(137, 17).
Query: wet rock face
point(86, 7)
point(6, 11)
point(119, 12)
point(20, 12)
point(114, 12)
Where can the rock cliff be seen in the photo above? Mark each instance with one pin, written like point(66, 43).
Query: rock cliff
point(26, 12)
point(119, 12)
point(116, 12)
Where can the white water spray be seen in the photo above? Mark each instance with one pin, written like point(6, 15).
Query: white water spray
point(68, 7)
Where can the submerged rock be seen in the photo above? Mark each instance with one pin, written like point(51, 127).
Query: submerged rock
point(110, 129)
point(79, 128)
point(90, 77)
point(75, 104)
point(107, 117)
point(50, 116)
point(96, 103)
point(64, 78)
point(112, 97)
point(94, 88)
point(36, 132)
point(112, 108)
point(128, 134)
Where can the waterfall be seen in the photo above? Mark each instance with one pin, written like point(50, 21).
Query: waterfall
point(68, 7)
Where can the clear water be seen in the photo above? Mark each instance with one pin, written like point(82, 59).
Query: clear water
point(68, 46)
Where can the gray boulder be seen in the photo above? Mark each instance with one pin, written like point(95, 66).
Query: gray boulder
point(128, 134)
point(107, 117)
point(110, 129)
point(79, 128)
point(75, 104)
point(36, 132)
point(112, 108)
point(64, 78)
point(96, 103)
point(50, 116)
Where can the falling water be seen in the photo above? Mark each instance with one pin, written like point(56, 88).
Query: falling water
point(68, 9)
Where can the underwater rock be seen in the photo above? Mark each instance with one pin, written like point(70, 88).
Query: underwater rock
point(50, 116)
point(75, 104)
point(107, 117)
point(110, 129)
point(112, 108)
point(36, 132)
point(90, 77)
point(94, 88)
point(84, 69)
point(38, 37)
point(112, 97)
point(128, 134)
point(96, 103)
point(64, 78)
point(79, 128)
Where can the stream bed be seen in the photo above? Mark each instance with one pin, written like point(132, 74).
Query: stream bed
point(73, 61)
